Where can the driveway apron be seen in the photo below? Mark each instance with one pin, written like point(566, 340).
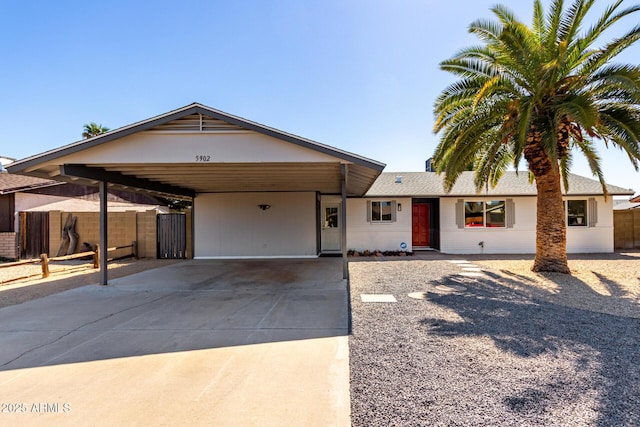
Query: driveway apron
point(202, 342)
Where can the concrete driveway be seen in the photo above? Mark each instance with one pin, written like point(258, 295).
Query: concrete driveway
point(200, 342)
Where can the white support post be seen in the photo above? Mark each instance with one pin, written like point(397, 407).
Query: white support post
point(345, 262)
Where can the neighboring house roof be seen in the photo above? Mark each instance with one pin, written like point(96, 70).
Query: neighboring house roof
point(80, 205)
point(12, 183)
point(620, 205)
point(430, 184)
point(6, 160)
point(635, 199)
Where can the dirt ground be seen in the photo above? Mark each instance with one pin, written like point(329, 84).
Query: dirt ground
point(606, 283)
point(19, 291)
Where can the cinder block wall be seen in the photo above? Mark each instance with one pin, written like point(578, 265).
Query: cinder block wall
point(123, 228)
point(9, 245)
point(626, 229)
point(189, 237)
point(147, 234)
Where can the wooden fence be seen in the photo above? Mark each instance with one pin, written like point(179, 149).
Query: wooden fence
point(45, 261)
point(626, 229)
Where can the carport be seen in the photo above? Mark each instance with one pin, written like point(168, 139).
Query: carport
point(231, 168)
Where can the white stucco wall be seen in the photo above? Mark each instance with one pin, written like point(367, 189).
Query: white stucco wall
point(27, 201)
point(230, 225)
point(363, 235)
point(522, 237)
point(175, 147)
point(593, 239)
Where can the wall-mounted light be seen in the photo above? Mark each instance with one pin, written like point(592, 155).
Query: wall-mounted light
point(264, 207)
point(399, 207)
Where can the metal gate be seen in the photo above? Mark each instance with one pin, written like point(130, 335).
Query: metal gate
point(172, 236)
point(34, 234)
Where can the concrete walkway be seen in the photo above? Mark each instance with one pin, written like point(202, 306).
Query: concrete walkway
point(196, 343)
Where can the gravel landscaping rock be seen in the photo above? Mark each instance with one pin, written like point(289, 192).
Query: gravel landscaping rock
point(497, 353)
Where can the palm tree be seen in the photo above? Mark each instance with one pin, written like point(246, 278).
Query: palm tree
point(543, 93)
point(93, 129)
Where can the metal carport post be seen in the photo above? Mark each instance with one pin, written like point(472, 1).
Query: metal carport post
point(103, 233)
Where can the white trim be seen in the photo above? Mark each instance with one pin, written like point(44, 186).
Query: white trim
point(260, 257)
point(186, 132)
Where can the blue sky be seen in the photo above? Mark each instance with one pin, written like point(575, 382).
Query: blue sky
point(358, 75)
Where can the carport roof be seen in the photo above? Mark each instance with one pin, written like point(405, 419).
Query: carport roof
point(187, 179)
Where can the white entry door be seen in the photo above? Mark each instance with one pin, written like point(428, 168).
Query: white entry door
point(331, 235)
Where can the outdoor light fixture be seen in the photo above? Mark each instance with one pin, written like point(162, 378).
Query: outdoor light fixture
point(264, 207)
point(399, 207)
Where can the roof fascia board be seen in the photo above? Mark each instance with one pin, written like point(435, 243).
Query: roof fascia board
point(100, 174)
point(74, 147)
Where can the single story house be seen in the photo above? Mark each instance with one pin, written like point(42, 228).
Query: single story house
point(261, 192)
point(463, 221)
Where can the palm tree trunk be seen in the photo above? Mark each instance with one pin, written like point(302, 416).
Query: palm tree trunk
point(551, 232)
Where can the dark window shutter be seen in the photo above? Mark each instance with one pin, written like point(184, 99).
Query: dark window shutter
point(460, 213)
point(394, 210)
point(592, 212)
point(368, 210)
point(510, 208)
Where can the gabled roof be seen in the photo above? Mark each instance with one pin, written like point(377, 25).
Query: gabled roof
point(12, 183)
point(194, 108)
point(430, 184)
point(187, 178)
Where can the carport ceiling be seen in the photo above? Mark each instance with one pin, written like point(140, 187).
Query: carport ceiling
point(222, 177)
point(212, 177)
point(186, 179)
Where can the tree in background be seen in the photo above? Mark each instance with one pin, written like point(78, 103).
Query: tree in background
point(542, 92)
point(93, 129)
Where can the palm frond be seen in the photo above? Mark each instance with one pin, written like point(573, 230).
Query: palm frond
point(554, 17)
point(587, 148)
point(538, 26)
point(571, 22)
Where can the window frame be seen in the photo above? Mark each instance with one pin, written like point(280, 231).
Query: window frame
point(484, 225)
point(585, 214)
point(392, 207)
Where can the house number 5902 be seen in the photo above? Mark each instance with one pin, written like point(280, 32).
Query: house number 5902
point(201, 158)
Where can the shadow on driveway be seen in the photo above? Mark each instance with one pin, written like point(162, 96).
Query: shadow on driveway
point(201, 342)
point(187, 306)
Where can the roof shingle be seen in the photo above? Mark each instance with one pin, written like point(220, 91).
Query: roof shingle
point(430, 184)
point(12, 183)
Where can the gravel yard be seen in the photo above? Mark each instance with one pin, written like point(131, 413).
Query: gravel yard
point(514, 348)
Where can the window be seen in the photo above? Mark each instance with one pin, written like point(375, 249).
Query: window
point(577, 213)
point(485, 214)
point(474, 214)
point(495, 213)
point(381, 211)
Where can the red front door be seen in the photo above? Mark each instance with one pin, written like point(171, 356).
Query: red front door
point(420, 235)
